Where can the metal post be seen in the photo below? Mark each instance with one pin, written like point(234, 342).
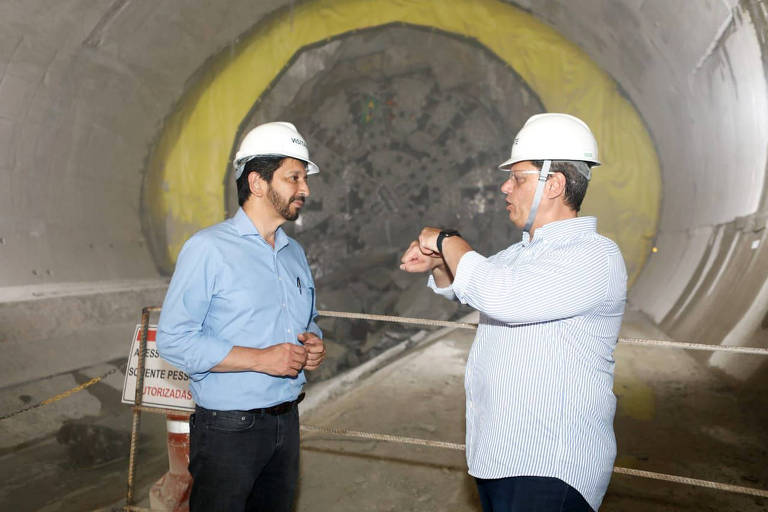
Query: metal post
point(139, 396)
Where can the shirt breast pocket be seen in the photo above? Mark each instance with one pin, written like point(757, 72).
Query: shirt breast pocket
point(304, 296)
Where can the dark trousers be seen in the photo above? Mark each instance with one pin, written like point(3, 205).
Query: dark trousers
point(243, 461)
point(530, 494)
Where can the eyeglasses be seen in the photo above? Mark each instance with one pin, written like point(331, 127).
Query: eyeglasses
point(517, 176)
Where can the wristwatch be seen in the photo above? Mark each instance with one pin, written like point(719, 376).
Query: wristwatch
point(445, 234)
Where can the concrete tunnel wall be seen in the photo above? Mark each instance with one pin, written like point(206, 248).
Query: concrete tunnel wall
point(86, 87)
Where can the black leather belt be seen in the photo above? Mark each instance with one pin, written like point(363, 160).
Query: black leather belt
point(277, 410)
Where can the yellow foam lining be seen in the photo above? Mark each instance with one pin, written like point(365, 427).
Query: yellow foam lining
point(185, 190)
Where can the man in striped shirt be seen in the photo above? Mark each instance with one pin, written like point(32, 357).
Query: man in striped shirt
point(539, 378)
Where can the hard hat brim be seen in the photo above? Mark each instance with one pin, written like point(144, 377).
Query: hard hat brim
point(239, 165)
point(312, 168)
point(504, 166)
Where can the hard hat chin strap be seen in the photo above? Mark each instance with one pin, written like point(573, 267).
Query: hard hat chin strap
point(543, 173)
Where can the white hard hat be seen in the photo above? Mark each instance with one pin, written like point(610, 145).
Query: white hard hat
point(273, 139)
point(553, 137)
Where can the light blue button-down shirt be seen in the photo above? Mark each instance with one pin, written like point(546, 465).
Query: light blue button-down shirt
point(539, 378)
point(231, 288)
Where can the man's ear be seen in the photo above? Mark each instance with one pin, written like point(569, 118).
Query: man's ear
point(556, 185)
point(257, 184)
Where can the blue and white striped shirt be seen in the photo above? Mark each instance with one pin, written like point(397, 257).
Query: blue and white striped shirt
point(539, 378)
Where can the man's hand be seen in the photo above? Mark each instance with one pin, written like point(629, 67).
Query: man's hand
point(283, 360)
point(422, 256)
point(428, 240)
point(315, 349)
point(415, 260)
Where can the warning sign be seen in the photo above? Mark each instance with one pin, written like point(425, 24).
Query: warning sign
point(164, 386)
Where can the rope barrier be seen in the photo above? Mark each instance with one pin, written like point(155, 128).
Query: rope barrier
point(692, 481)
point(65, 394)
point(383, 437)
point(470, 325)
point(694, 346)
point(460, 447)
point(398, 319)
point(158, 410)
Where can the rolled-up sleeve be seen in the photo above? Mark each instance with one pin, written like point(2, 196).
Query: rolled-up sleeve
point(181, 336)
point(446, 292)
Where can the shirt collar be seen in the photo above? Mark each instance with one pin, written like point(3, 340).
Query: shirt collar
point(245, 227)
point(562, 229)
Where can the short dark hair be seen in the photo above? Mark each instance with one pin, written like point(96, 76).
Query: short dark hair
point(575, 182)
point(265, 166)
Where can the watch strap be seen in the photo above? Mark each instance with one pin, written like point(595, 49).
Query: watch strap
point(443, 235)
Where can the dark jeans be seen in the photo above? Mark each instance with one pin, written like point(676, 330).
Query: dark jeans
point(530, 494)
point(243, 461)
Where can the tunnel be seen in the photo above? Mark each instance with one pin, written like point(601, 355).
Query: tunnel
point(119, 121)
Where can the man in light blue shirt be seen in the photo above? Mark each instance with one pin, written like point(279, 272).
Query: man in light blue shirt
point(539, 378)
point(239, 318)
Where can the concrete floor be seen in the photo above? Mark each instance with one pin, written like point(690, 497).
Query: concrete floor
point(675, 416)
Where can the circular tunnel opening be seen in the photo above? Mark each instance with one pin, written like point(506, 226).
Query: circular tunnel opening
point(408, 125)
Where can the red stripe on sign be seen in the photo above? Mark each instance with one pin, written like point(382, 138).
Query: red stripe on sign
point(151, 335)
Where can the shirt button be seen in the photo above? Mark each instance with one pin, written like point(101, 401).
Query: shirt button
point(283, 305)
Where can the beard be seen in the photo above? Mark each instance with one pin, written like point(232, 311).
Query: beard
point(284, 207)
